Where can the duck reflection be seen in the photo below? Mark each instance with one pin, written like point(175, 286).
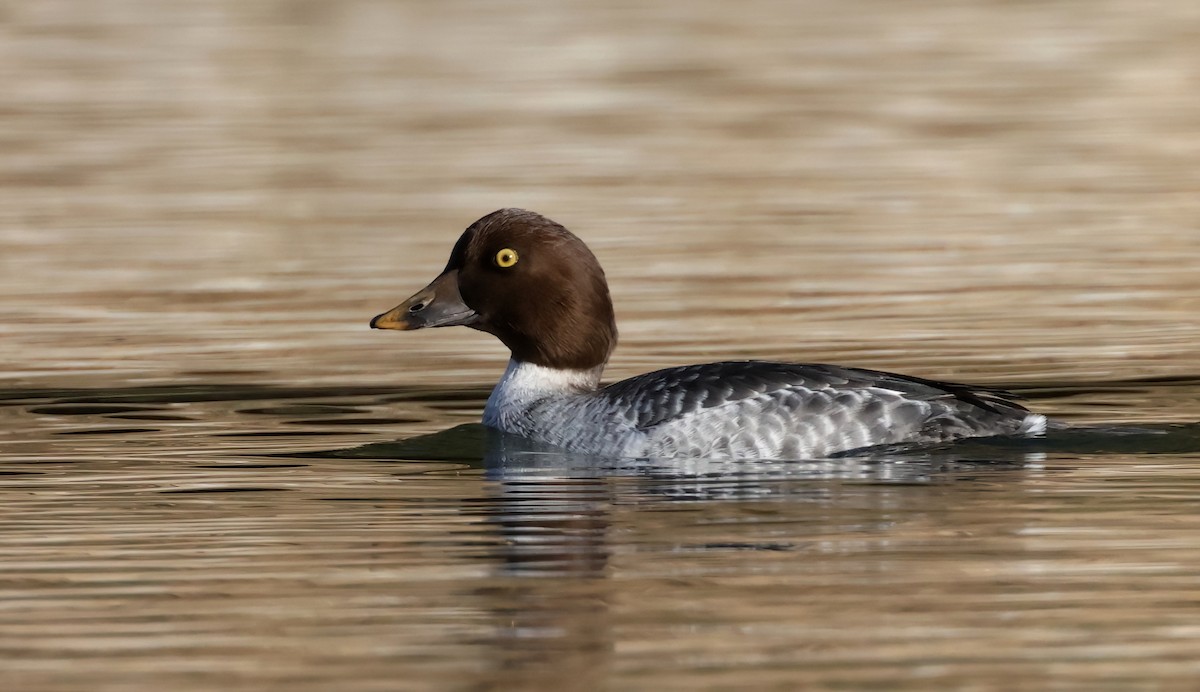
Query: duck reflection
point(551, 595)
point(564, 519)
point(557, 521)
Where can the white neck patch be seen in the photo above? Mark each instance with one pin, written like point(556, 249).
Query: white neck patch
point(525, 383)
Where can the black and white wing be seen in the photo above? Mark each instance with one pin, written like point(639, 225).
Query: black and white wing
point(785, 410)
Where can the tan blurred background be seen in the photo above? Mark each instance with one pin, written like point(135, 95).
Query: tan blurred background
point(214, 189)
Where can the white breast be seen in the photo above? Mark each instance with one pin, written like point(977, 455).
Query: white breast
point(559, 408)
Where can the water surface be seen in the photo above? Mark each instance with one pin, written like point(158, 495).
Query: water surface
point(213, 475)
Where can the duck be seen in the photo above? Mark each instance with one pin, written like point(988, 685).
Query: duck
point(536, 287)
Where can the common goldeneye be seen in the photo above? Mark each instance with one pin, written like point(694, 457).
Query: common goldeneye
point(535, 286)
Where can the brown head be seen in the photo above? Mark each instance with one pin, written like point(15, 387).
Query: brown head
point(528, 281)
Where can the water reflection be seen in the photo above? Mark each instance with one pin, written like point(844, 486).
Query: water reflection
point(563, 524)
point(551, 594)
point(541, 568)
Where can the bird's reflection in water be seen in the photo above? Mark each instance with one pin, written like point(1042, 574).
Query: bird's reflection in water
point(552, 596)
point(508, 458)
point(557, 514)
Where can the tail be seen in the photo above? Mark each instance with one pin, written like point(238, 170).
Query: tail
point(1037, 424)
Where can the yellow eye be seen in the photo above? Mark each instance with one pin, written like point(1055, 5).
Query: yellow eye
point(506, 258)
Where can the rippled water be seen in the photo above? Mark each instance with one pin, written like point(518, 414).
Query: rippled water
point(213, 475)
